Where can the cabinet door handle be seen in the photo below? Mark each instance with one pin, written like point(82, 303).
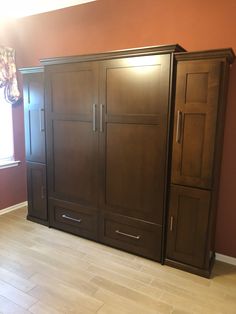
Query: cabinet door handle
point(171, 223)
point(42, 192)
point(70, 218)
point(101, 118)
point(178, 128)
point(41, 120)
point(129, 235)
point(94, 118)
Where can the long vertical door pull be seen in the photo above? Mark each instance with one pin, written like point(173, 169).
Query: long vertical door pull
point(41, 122)
point(178, 128)
point(171, 223)
point(101, 118)
point(94, 118)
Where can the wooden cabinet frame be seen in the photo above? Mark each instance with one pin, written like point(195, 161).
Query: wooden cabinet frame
point(89, 121)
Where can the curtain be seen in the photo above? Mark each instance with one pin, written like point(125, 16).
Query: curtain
point(8, 79)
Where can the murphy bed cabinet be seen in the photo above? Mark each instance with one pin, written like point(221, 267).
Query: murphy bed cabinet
point(133, 141)
point(33, 89)
point(107, 146)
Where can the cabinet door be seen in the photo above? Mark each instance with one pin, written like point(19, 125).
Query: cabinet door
point(188, 225)
point(196, 107)
point(134, 110)
point(36, 184)
point(72, 137)
point(34, 117)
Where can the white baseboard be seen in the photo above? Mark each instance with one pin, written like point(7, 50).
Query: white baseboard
point(226, 259)
point(14, 207)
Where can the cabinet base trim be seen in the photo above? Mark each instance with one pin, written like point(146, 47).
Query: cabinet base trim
point(14, 207)
point(194, 270)
point(37, 220)
point(226, 259)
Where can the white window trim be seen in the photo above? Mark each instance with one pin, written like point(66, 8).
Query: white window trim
point(9, 163)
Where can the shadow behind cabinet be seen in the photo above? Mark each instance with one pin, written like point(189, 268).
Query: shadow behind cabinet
point(33, 89)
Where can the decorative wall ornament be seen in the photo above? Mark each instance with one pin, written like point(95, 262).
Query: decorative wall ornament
point(8, 79)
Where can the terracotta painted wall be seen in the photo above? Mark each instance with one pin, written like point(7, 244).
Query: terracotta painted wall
point(111, 24)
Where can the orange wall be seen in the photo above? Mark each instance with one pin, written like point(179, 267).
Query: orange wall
point(117, 24)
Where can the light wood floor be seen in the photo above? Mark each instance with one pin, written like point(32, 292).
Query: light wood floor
point(43, 270)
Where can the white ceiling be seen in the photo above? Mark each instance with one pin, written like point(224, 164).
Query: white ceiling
point(16, 8)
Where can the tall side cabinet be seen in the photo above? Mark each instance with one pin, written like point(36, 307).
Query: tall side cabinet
point(200, 102)
point(34, 116)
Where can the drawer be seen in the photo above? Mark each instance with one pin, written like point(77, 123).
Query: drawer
point(73, 218)
point(131, 235)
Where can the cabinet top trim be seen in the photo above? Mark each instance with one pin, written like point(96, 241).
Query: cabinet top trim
point(227, 53)
point(32, 70)
point(115, 54)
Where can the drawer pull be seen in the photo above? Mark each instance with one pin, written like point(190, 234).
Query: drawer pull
point(70, 218)
point(128, 235)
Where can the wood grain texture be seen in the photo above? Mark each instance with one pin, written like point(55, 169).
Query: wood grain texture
point(187, 225)
point(33, 91)
point(37, 190)
point(135, 94)
point(45, 271)
point(197, 100)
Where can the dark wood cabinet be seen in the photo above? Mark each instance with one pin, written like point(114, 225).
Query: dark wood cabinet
point(35, 137)
point(200, 101)
point(133, 235)
point(37, 192)
point(33, 88)
point(135, 103)
point(107, 143)
point(122, 130)
point(196, 108)
point(133, 148)
point(72, 144)
point(72, 217)
point(188, 225)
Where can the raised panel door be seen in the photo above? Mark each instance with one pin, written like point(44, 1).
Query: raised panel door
point(188, 225)
point(196, 108)
point(134, 102)
point(72, 100)
point(33, 87)
point(37, 193)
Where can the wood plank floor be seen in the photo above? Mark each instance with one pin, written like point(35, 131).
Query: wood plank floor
point(46, 271)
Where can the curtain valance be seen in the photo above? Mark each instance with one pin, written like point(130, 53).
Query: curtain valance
point(8, 79)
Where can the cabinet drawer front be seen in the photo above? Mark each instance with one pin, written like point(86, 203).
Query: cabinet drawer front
point(73, 218)
point(131, 235)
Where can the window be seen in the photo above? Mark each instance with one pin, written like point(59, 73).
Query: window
point(9, 95)
point(6, 130)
